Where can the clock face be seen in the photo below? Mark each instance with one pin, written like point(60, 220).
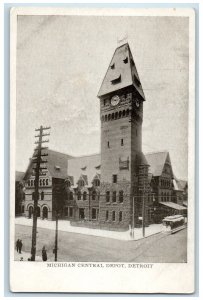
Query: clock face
point(115, 100)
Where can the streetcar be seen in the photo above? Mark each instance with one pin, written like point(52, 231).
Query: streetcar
point(172, 224)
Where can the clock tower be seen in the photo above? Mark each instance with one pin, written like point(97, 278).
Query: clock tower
point(121, 112)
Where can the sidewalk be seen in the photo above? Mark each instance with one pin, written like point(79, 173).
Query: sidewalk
point(23, 256)
point(64, 225)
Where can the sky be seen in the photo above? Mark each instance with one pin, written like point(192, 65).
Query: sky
point(61, 62)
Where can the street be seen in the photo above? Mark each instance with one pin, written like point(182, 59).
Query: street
point(158, 248)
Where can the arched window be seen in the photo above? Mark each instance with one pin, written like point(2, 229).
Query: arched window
point(31, 181)
point(28, 182)
point(94, 194)
point(112, 116)
point(105, 117)
point(120, 114)
point(127, 112)
point(109, 117)
point(116, 115)
point(114, 196)
point(47, 181)
point(123, 113)
point(107, 196)
point(79, 195)
point(120, 196)
point(84, 195)
point(42, 195)
point(40, 182)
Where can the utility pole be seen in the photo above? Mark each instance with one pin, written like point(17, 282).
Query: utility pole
point(133, 220)
point(56, 238)
point(37, 160)
point(143, 213)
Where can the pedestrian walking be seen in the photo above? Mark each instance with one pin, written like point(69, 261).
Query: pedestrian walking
point(44, 254)
point(20, 246)
point(17, 245)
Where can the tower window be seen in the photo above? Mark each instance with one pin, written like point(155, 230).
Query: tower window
point(108, 144)
point(42, 195)
point(107, 215)
point(114, 178)
point(116, 80)
point(121, 196)
point(125, 60)
point(114, 197)
point(107, 196)
point(122, 142)
point(120, 216)
point(113, 66)
point(113, 216)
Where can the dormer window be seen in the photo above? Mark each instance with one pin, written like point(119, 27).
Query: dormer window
point(97, 182)
point(113, 66)
point(81, 183)
point(125, 60)
point(116, 80)
point(68, 184)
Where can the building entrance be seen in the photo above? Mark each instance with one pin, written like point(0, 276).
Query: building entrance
point(45, 212)
point(81, 213)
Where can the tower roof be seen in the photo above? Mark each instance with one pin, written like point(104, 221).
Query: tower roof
point(121, 73)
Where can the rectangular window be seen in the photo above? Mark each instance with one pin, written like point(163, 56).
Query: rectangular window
point(120, 216)
point(114, 178)
point(113, 216)
point(122, 142)
point(121, 196)
point(107, 196)
point(108, 144)
point(107, 215)
point(114, 197)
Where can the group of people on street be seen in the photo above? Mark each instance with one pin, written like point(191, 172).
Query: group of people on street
point(19, 245)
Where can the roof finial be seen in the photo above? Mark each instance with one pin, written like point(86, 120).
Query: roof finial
point(122, 40)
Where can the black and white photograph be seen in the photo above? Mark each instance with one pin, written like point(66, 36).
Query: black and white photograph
point(102, 148)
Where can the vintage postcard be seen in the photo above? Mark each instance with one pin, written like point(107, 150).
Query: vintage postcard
point(102, 150)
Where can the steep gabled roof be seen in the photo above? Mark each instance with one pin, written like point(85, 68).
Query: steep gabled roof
point(56, 164)
point(156, 161)
point(19, 175)
point(84, 166)
point(121, 73)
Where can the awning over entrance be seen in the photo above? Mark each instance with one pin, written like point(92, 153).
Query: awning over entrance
point(173, 205)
